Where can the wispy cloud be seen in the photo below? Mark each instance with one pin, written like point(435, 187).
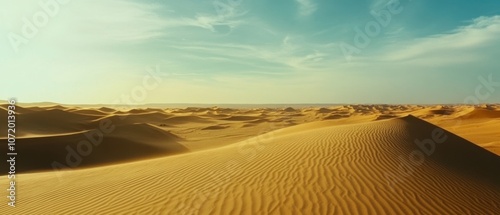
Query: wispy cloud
point(211, 21)
point(241, 46)
point(464, 44)
point(306, 7)
point(293, 54)
point(118, 21)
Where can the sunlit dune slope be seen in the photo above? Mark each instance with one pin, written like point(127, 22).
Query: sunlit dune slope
point(368, 168)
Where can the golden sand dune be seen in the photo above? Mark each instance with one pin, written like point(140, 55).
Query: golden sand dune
point(46, 121)
point(395, 166)
point(203, 128)
point(53, 121)
point(346, 159)
point(481, 113)
point(109, 144)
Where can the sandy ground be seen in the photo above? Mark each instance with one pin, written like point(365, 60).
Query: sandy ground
point(351, 159)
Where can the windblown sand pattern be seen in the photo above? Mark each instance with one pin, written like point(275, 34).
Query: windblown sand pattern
point(359, 159)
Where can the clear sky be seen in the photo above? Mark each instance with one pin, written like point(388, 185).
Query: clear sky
point(250, 51)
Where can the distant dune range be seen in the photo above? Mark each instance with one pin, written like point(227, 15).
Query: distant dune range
point(350, 159)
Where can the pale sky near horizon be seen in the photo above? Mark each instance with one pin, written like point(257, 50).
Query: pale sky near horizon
point(250, 51)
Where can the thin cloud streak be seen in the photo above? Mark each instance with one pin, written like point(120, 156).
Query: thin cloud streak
point(306, 7)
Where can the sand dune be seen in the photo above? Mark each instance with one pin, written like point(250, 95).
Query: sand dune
point(241, 118)
point(94, 147)
point(362, 168)
point(194, 123)
point(94, 112)
point(351, 159)
point(53, 122)
point(481, 113)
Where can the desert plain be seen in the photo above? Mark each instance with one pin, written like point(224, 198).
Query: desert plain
point(330, 159)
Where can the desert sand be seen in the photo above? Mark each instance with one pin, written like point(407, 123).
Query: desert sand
point(346, 159)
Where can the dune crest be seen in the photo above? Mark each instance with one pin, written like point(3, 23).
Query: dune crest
point(94, 147)
point(367, 168)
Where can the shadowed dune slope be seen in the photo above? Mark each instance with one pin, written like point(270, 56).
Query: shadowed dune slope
point(368, 168)
point(93, 148)
point(454, 152)
point(48, 121)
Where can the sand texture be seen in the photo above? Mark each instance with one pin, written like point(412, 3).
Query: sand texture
point(351, 159)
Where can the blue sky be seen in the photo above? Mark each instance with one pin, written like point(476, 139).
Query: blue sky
point(243, 51)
